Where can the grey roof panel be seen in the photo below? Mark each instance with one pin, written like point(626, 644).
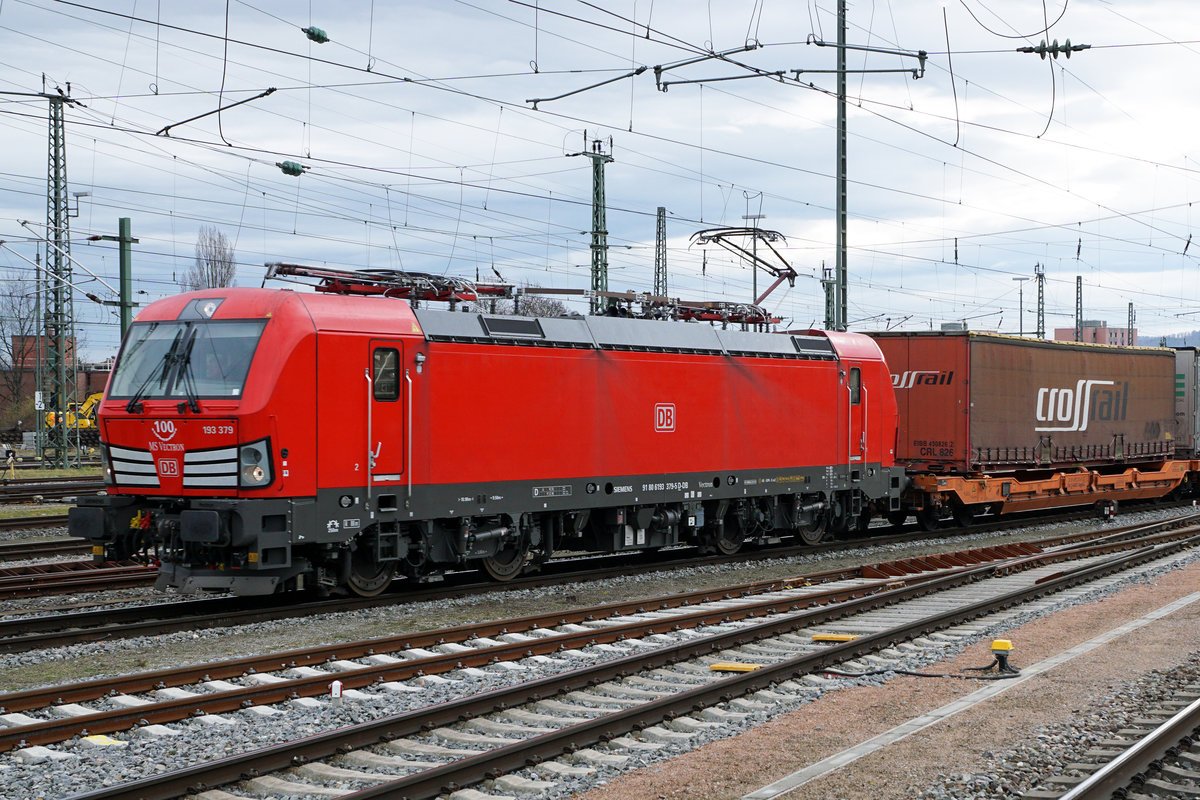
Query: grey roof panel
point(749, 343)
point(460, 326)
point(616, 333)
point(620, 333)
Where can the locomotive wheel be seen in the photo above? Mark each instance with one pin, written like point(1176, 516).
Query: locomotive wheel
point(506, 564)
point(813, 533)
point(369, 578)
point(928, 518)
point(897, 518)
point(730, 539)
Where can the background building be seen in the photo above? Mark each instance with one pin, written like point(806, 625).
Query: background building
point(1096, 331)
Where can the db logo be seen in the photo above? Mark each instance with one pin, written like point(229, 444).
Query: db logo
point(164, 429)
point(168, 467)
point(664, 417)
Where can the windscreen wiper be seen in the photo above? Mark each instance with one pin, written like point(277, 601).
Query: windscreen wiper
point(185, 376)
point(134, 406)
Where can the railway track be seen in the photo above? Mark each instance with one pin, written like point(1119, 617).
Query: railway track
point(33, 523)
point(504, 639)
point(46, 548)
point(32, 463)
point(619, 684)
point(72, 576)
point(79, 626)
point(1157, 757)
point(27, 490)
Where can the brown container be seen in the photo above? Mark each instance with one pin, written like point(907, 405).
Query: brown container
point(973, 402)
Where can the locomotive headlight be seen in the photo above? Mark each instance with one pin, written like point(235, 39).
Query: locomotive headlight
point(106, 465)
point(255, 464)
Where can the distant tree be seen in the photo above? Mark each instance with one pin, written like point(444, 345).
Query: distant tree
point(214, 266)
point(536, 305)
point(530, 305)
point(18, 324)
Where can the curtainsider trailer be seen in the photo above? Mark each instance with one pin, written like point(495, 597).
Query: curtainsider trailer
point(1002, 423)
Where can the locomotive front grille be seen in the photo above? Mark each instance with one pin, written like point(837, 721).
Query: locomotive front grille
point(202, 469)
point(133, 467)
point(211, 469)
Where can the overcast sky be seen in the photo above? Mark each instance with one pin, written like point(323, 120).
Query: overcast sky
point(424, 151)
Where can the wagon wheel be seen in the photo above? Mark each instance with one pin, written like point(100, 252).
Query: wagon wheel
point(368, 577)
point(507, 563)
point(928, 518)
point(964, 515)
point(897, 518)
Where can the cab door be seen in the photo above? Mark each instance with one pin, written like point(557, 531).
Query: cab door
point(856, 404)
point(386, 389)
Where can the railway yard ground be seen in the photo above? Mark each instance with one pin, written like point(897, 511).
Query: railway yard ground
point(995, 747)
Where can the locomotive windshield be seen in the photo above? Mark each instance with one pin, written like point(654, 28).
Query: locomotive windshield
point(185, 359)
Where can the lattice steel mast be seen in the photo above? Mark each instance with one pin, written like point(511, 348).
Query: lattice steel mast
point(56, 371)
point(599, 225)
point(660, 254)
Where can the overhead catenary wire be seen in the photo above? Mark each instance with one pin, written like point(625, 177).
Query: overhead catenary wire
point(544, 194)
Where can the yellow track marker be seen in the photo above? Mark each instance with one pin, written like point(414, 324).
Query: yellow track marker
point(104, 741)
point(733, 666)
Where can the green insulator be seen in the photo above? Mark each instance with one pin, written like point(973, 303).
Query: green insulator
point(316, 34)
point(291, 168)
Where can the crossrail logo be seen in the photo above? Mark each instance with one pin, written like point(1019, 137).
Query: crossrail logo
point(922, 377)
point(664, 417)
point(164, 429)
point(1070, 409)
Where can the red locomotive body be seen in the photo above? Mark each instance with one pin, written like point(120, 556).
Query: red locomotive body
point(1005, 423)
point(366, 438)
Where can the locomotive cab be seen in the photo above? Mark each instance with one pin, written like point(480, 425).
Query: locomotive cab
point(193, 458)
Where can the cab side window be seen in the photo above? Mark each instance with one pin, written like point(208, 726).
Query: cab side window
point(386, 373)
point(855, 386)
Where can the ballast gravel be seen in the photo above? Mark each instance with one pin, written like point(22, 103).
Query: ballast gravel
point(32, 534)
point(79, 766)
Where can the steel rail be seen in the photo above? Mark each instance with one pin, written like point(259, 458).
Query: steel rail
point(140, 682)
point(34, 522)
point(20, 493)
point(1120, 772)
point(98, 577)
point(76, 627)
point(430, 783)
point(68, 480)
point(57, 730)
point(11, 551)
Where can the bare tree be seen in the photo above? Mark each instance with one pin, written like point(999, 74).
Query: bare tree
point(214, 266)
point(537, 305)
point(531, 305)
point(18, 326)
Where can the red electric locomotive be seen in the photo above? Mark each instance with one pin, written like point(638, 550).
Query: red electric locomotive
point(257, 440)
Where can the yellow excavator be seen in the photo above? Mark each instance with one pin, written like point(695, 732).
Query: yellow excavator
point(80, 416)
